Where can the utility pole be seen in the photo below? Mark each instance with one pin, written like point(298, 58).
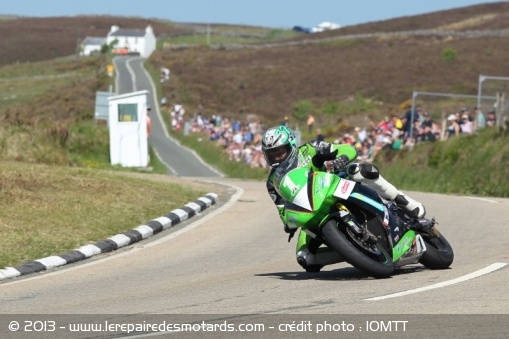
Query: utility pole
point(208, 34)
point(78, 44)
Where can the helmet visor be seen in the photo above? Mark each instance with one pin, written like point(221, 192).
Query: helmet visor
point(277, 155)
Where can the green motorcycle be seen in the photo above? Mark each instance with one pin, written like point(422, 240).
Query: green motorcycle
point(372, 234)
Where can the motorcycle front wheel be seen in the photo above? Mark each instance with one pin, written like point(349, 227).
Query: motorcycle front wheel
point(371, 259)
point(439, 254)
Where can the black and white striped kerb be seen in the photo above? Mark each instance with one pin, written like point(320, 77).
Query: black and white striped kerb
point(117, 241)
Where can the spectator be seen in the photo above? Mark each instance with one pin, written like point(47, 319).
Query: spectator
point(383, 125)
point(491, 120)
point(361, 134)
point(467, 126)
point(397, 143)
point(163, 103)
point(426, 135)
point(149, 121)
point(395, 133)
point(238, 138)
point(416, 130)
point(285, 122)
point(427, 120)
point(319, 135)
point(177, 116)
point(310, 122)
point(386, 142)
point(453, 129)
point(410, 115)
point(165, 74)
point(479, 118)
point(257, 158)
point(397, 122)
point(247, 135)
point(348, 139)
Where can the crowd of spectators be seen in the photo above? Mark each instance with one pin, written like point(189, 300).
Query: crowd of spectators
point(242, 139)
point(415, 126)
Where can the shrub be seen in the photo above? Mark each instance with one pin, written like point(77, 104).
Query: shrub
point(301, 109)
point(449, 54)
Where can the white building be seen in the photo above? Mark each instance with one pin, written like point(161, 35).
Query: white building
point(127, 123)
point(92, 45)
point(132, 41)
point(325, 26)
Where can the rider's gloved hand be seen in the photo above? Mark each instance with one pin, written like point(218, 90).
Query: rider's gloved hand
point(337, 165)
point(319, 159)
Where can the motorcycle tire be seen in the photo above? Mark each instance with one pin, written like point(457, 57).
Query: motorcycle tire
point(382, 267)
point(439, 254)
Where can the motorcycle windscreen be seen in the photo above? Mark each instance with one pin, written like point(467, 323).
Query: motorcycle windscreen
point(308, 195)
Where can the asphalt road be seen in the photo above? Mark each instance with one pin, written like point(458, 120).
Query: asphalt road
point(234, 260)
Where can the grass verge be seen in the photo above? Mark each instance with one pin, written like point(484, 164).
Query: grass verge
point(47, 210)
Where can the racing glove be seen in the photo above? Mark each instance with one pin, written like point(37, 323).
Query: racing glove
point(320, 159)
point(337, 165)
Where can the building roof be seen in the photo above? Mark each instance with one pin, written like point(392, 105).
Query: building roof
point(90, 40)
point(128, 32)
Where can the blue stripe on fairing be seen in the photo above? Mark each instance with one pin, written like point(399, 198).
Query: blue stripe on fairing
point(370, 201)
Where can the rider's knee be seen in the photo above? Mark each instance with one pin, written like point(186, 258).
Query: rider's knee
point(360, 172)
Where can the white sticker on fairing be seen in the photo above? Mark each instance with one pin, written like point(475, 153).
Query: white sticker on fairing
point(344, 189)
point(291, 185)
point(302, 199)
point(327, 179)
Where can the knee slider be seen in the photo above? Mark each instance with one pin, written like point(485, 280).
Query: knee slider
point(369, 171)
point(362, 171)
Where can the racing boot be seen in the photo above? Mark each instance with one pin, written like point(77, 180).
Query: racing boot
point(313, 263)
point(369, 175)
point(413, 207)
point(313, 258)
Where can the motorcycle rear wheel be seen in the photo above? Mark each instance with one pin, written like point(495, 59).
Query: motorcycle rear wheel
point(376, 265)
point(439, 254)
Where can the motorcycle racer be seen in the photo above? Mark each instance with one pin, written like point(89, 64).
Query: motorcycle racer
point(281, 152)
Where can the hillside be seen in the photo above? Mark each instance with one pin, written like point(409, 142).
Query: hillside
point(35, 39)
point(268, 79)
point(330, 67)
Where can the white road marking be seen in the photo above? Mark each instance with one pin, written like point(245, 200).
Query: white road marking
point(483, 199)
point(131, 71)
point(473, 275)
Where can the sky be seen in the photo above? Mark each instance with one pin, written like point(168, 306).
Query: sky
point(265, 13)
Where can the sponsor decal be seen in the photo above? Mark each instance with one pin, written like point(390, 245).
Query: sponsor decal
point(322, 182)
point(344, 189)
point(291, 185)
point(328, 178)
point(305, 161)
point(344, 186)
point(386, 217)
